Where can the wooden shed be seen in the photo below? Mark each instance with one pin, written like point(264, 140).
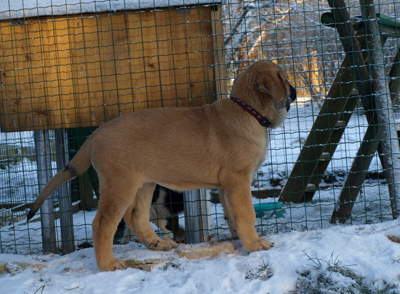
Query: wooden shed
point(85, 63)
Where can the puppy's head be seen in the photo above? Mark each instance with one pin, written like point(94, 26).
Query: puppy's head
point(265, 87)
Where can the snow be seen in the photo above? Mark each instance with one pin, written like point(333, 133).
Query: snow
point(22, 9)
point(292, 262)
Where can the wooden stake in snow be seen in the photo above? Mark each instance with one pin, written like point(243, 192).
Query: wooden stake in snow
point(44, 173)
point(66, 219)
point(383, 104)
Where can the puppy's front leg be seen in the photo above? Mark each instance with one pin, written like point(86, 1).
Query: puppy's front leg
point(238, 198)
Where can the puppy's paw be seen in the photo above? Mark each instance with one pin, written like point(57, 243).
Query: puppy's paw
point(115, 264)
point(161, 244)
point(234, 234)
point(172, 243)
point(168, 236)
point(257, 245)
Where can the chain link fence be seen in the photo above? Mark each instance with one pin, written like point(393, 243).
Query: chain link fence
point(74, 67)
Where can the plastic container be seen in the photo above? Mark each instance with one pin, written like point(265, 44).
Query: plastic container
point(262, 208)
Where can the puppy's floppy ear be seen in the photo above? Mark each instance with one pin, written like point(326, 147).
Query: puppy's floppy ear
point(238, 77)
point(263, 87)
point(282, 77)
point(264, 84)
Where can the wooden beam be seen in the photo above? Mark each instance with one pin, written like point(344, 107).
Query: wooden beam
point(354, 55)
point(44, 174)
point(66, 219)
point(219, 52)
point(324, 138)
point(362, 161)
point(320, 137)
point(331, 145)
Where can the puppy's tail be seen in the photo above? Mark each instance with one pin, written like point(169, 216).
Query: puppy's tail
point(77, 166)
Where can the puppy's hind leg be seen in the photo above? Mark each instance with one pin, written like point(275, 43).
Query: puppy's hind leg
point(162, 224)
point(116, 195)
point(227, 212)
point(137, 217)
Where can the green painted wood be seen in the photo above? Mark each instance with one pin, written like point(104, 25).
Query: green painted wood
point(323, 137)
point(331, 146)
point(319, 137)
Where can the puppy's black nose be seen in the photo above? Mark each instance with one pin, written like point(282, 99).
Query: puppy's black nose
point(293, 95)
point(291, 98)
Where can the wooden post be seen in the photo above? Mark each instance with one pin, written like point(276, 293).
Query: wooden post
point(369, 91)
point(383, 103)
point(66, 220)
point(197, 224)
point(44, 174)
point(308, 167)
point(363, 159)
point(219, 52)
point(329, 126)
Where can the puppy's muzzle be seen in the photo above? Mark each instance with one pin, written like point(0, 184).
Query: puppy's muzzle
point(291, 97)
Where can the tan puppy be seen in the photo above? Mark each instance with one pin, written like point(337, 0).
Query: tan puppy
point(220, 145)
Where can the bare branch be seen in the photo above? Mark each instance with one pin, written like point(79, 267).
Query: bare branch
point(246, 9)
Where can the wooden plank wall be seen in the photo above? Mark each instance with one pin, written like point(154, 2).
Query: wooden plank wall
point(79, 71)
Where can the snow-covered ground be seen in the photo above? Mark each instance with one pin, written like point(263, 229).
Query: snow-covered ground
point(338, 259)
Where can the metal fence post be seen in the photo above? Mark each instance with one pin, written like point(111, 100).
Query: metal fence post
point(66, 220)
point(42, 146)
point(197, 222)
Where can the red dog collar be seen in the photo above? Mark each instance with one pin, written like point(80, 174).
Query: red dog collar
point(261, 119)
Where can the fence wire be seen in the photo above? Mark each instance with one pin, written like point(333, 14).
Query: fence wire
point(77, 66)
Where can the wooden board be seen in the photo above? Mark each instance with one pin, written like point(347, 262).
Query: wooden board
point(324, 136)
point(320, 138)
point(79, 71)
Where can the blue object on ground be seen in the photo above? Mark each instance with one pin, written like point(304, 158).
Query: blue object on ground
point(262, 208)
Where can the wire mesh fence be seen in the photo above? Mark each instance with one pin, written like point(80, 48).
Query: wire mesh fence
point(74, 67)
